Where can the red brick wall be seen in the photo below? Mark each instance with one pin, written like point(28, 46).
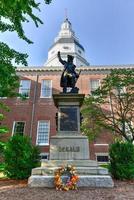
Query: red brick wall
point(45, 109)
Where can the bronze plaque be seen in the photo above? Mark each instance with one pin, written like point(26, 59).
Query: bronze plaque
point(68, 119)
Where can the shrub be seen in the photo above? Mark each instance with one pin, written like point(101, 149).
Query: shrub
point(122, 160)
point(1, 167)
point(20, 157)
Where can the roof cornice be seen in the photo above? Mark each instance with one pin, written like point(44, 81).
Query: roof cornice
point(82, 68)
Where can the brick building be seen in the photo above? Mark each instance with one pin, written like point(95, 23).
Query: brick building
point(36, 115)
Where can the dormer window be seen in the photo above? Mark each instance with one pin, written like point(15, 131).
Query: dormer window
point(79, 51)
point(52, 52)
point(65, 47)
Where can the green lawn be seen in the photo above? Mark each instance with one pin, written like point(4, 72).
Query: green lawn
point(1, 170)
point(104, 165)
point(2, 175)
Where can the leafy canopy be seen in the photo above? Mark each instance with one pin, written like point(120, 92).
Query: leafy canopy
point(111, 106)
point(13, 13)
point(18, 12)
point(20, 157)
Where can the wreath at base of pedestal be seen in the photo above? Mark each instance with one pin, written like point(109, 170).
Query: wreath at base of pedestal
point(72, 178)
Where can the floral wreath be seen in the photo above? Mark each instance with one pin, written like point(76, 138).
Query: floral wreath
point(72, 178)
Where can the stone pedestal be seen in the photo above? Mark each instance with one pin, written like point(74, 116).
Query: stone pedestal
point(68, 144)
point(70, 147)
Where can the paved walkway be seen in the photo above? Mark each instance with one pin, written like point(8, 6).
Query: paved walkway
point(14, 190)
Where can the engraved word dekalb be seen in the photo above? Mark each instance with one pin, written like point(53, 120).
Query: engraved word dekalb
point(69, 149)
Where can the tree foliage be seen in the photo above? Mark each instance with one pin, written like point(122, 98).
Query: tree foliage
point(18, 12)
point(112, 105)
point(13, 13)
point(3, 130)
point(9, 81)
point(121, 163)
point(20, 157)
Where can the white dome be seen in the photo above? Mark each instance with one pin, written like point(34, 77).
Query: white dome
point(68, 44)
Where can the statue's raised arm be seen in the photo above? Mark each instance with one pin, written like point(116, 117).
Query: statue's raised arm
point(60, 59)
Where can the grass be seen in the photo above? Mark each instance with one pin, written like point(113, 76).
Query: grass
point(104, 166)
point(2, 171)
point(2, 175)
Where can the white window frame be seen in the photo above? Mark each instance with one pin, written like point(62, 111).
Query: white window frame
point(122, 91)
point(21, 87)
point(41, 96)
point(3, 97)
point(129, 134)
point(93, 79)
point(14, 126)
point(43, 144)
point(101, 154)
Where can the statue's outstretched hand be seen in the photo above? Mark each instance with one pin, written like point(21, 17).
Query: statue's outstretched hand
point(58, 54)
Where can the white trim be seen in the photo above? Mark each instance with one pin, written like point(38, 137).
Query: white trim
point(50, 90)
point(101, 144)
point(43, 144)
point(102, 154)
point(14, 126)
point(3, 97)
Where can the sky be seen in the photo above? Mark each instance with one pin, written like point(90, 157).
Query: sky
point(104, 27)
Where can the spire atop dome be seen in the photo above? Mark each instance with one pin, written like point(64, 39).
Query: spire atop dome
point(66, 13)
point(66, 31)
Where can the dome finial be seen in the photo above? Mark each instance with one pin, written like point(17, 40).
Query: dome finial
point(66, 14)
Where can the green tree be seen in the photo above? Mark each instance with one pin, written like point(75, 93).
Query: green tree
point(121, 163)
point(3, 128)
point(111, 106)
point(13, 13)
point(20, 157)
point(18, 12)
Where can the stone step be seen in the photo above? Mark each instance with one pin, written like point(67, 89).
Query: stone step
point(84, 181)
point(59, 163)
point(80, 170)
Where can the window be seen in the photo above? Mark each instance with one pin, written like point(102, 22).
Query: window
point(120, 91)
point(102, 157)
point(46, 88)
point(94, 84)
point(65, 47)
point(43, 133)
point(127, 129)
point(79, 51)
point(52, 52)
point(3, 97)
point(25, 88)
point(44, 156)
point(18, 128)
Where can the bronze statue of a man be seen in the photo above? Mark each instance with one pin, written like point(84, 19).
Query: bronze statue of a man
point(69, 75)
